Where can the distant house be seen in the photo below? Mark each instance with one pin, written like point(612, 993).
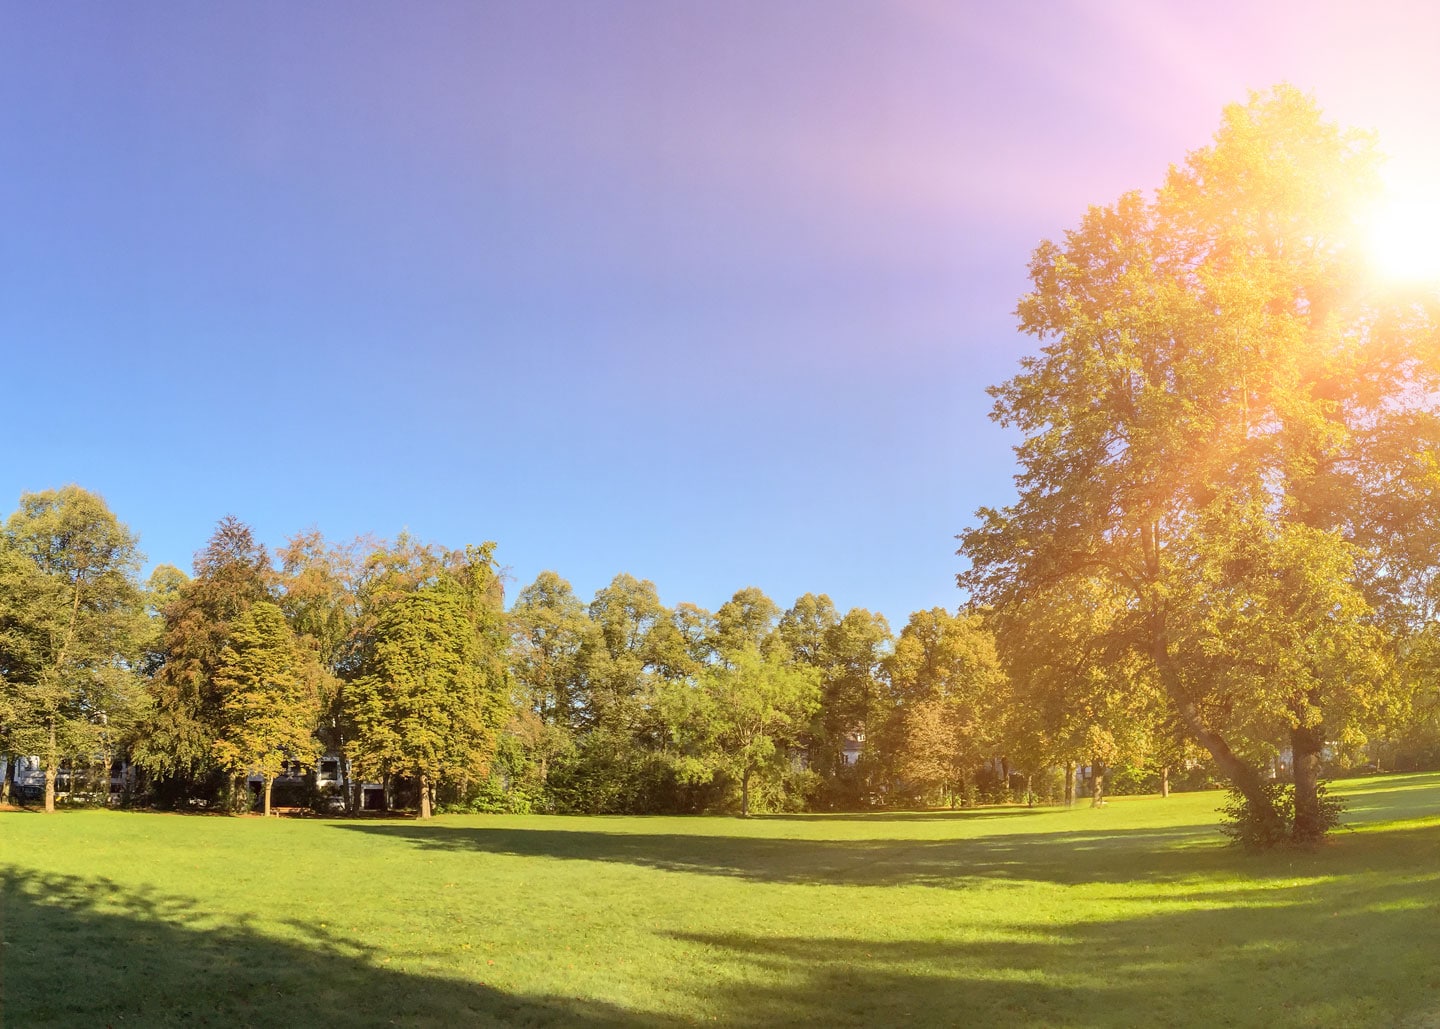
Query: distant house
point(330, 777)
point(850, 750)
point(28, 777)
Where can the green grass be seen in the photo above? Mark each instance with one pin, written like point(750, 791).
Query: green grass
point(1133, 914)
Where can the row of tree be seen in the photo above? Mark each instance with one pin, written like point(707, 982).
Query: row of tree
point(402, 658)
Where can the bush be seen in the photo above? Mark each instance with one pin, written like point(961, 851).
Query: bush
point(991, 787)
point(491, 796)
point(1130, 781)
point(1049, 785)
point(1243, 824)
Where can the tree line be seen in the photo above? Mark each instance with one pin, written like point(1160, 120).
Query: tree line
point(402, 657)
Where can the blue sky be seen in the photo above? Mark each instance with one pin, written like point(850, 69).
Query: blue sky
point(709, 294)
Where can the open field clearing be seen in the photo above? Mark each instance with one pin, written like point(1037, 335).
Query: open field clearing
point(1136, 913)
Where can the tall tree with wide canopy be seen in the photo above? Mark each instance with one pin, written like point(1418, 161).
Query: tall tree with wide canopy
point(71, 628)
point(1212, 430)
point(434, 692)
point(853, 705)
point(740, 716)
point(948, 692)
point(550, 635)
point(319, 592)
point(634, 643)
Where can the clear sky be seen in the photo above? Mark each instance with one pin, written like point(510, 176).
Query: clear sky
point(707, 293)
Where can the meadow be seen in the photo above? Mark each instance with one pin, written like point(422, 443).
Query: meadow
point(1137, 913)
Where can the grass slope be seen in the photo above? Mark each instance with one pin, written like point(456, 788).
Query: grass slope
point(1133, 914)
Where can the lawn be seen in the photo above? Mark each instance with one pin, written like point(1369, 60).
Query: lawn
point(1133, 914)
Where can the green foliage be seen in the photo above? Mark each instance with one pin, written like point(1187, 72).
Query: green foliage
point(740, 718)
point(490, 796)
point(854, 704)
point(434, 693)
point(176, 743)
point(72, 630)
point(1217, 432)
point(269, 707)
point(745, 620)
point(1246, 827)
point(1131, 780)
point(950, 695)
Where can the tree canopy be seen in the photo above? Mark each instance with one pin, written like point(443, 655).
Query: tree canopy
point(1211, 429)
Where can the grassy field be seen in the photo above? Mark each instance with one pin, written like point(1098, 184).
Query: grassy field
point(1133, 914)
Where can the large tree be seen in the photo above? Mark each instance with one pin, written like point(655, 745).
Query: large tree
point(1211, 430)
point(319, 594)
point(854, 707)
point(176, 745)
point(740, 717)
point(270, 701)
point(71, 628)
point(433, 694)
point(619, 766)
point(550, 636)
point(949, 696)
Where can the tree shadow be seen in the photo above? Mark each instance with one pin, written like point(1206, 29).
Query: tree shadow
point(1349, 950)
point(1067, 858)
point(1344, 935)
point(89, 952)
point(967, 814)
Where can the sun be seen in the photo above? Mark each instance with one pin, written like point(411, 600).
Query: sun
point(1404, 238)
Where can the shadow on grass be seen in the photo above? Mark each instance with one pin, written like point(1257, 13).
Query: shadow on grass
point(1073, 857)
point(937, 815)
point(1357, 950)
point(1339, 937)
point(87, 952)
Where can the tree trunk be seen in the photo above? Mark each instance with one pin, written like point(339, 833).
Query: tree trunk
point(342, 780)
point(1030, 790)
point(7, 779)
point(1069, 783)
point(1165, 781)
point(1097, 783)
point(424, 796)
point(1242, 776)
point(268, 782)
point(745, 793)
point(1305, 746)
point(52, 767)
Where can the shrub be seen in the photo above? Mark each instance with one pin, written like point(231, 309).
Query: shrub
point(1131, 780)
point(1243, 824)
point(491, 796)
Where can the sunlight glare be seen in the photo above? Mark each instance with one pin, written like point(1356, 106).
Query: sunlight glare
point(1404, 237)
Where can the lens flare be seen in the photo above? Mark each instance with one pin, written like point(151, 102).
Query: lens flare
point(1404, 238)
